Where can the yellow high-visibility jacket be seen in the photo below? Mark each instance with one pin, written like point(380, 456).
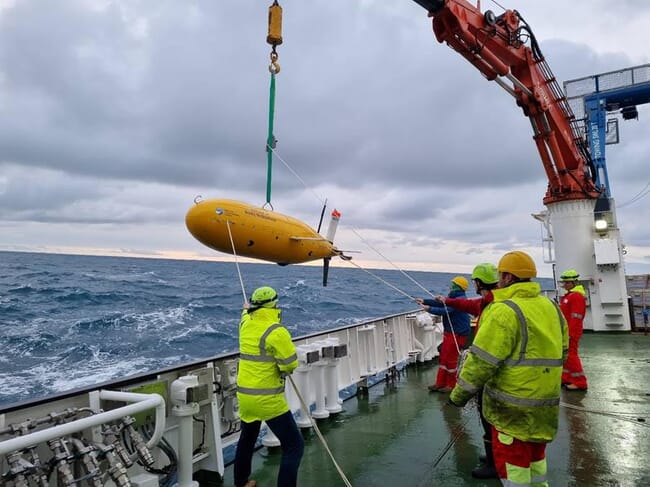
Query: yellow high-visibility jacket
point(266, 353)
point(517, 356)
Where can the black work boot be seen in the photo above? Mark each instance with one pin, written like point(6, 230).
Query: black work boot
point(486, 470)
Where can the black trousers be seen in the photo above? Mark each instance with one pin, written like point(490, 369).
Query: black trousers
point(291, 442)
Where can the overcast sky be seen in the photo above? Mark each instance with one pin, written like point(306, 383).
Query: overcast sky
point(114, 115)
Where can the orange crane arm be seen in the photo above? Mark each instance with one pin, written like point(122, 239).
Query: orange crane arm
point(496, 46)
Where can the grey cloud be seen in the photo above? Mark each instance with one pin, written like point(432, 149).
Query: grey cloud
point(142, 106)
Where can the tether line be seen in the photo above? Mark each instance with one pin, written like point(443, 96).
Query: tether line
point(382, 280)
point(608, 413)
point(451, 325)
point(302, 401)
point(319, 434)
point(391, 263)
point(234, 252)
point(296, 175)
point(322, 201)
point(457, 431)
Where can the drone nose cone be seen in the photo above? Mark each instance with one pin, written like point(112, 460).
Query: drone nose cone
point(197, 220)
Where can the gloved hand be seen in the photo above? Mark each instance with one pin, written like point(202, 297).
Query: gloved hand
point(452, 403)
point(283, 374)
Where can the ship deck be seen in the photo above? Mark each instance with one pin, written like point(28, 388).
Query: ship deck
point(400, 434)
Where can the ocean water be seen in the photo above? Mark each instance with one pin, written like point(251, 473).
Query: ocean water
point(69, 321)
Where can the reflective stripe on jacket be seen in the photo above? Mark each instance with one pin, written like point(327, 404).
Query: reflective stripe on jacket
point(517, 355)
point(265, 352)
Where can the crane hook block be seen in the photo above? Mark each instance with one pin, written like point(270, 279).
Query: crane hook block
point(275, 25)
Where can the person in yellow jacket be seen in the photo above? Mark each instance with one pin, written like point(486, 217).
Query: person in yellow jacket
point(266, 355)
point(517, 357)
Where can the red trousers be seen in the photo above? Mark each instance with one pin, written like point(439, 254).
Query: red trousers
point(449, 359)
point(572, 372)
point(520, 462)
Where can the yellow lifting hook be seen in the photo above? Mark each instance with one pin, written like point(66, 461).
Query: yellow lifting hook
point(274, 36)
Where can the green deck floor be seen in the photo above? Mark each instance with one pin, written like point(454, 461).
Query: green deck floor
point(403, 435)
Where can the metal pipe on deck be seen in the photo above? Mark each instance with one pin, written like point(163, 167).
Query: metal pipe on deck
point(142, 402)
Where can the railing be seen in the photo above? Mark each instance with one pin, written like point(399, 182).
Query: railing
point(333, 365)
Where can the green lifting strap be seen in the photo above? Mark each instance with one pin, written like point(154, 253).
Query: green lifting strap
point(270, 141)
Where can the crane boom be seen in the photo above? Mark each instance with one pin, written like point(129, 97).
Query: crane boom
point(496, 46)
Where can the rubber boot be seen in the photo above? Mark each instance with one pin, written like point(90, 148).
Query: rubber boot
point(486, 470)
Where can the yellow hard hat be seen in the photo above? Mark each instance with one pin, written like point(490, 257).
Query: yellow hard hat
point(461, 282)
point(519, 264)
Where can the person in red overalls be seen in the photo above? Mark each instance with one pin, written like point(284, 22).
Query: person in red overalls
point(486, 278)
point(573, 305)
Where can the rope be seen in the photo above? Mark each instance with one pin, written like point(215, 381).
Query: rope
point(319, 434)
point(302, 402)
point(375, 250)
point(274, 38)
point(391, 263)
point(641, 194)
point(457, 432)
point(291, 170)
point(322, 201)
point(234, 252)
point(382, 280)
point(607, 413)
point(453, 333)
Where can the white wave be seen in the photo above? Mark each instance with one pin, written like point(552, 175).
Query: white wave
point(202, 329)
point(99, 371)
point(160, 320)
point(135, 277)
point(46, 379)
